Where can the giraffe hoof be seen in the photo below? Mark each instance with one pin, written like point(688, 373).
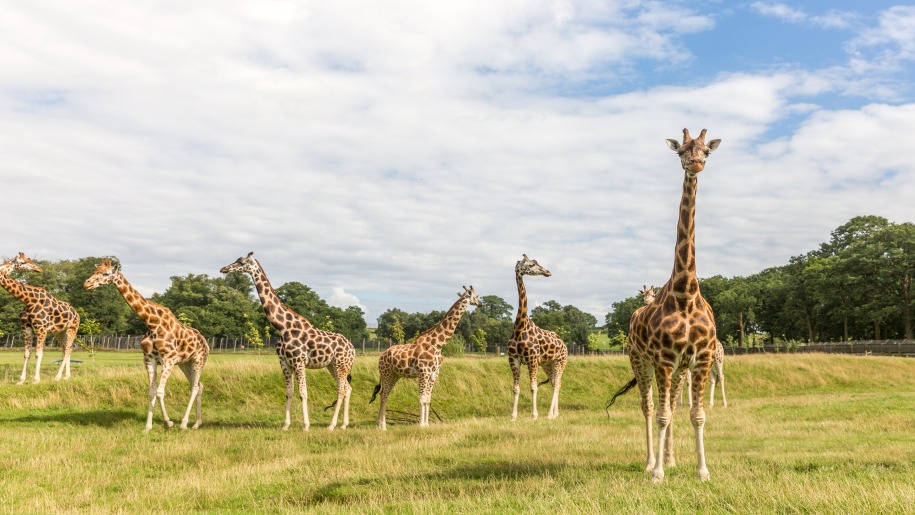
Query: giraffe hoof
point(284, 428)
point(670, 463)
point(657, 479)
point(196, 425)
point(169, 424)
point(20, 381)
point(704, 475)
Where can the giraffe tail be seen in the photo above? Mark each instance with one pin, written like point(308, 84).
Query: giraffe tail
point(375, 392)
point(545, 381)
point(349, 379)
point(628, 386)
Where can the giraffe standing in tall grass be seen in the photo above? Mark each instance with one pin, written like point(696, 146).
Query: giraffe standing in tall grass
point(422, 358)
point(43, 315)
point(167, 341)
point(676, 332)
point(302, 346)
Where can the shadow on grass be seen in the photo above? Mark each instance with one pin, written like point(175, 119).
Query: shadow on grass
point(101, 418)
point(479, 474)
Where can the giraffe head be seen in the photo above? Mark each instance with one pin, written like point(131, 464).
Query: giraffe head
point(693, 151)
point(245, 265)
point(105, 272)
point(20, 262)
point(528, 266)
point(648, 293)
point(471, 295)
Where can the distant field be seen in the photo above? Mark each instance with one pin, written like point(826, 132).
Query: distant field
point(802, 433)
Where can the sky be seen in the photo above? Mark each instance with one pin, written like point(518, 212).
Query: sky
point(388, 153)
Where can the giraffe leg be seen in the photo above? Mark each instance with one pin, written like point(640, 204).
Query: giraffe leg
point(676, 390)
point(697, 417)
point(532, 368)
point(387, 384)
point(349, 391)
point(432, 381)
point(67, 341)
point(515, 365)
point(719, 367)
point(27, 335)
point(193, 377)
point(151, 372)
point(160, 391)
point(711, 398)
point(40, 336)
point(303, 393)
point(423, 398)
point(643, 379)
point(556, 380)
point(198, 418)
point(290, 385)
point(339, 376)
point(663, 376)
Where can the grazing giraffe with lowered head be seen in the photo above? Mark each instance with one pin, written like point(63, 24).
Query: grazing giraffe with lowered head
point(167, 341)
point(301, 346)
point(422, 358)
point(532, 346)
point(43, 315)
point(676, 332)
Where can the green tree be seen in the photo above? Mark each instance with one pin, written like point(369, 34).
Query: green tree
point(617, 320)
point(570, 323)
point(479, 340)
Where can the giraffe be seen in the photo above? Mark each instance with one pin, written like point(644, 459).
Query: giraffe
point(676, 332)
point(716, 376)
point(301, 346)
point(533, 346)
point(167, 341)
point(43, 315)
point(421, 358)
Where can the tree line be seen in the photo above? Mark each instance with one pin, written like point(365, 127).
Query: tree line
point(856, 286)
point(228, 307)
point(216, 306)
point(489, 324)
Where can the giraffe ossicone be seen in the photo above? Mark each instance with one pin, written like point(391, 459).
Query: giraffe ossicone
point(422, 358)
point(675, 333)
point(43, 315)
point(301, 346)
point(167, 342)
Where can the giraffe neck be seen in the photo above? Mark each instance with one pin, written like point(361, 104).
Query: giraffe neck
point(13, 286)
point(521, 317)
point(450, 322)
point(683, 280)
point(270, 301)
point(142, 307)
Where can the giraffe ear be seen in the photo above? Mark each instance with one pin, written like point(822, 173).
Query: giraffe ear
point(674, 144)
point(712, 145)
point(249, 254)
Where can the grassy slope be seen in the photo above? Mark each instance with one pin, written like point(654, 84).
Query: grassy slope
point(802, 433)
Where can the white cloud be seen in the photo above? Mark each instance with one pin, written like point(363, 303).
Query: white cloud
point(393, 156)
point(832, 19)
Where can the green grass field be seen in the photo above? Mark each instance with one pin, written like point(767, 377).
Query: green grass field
point(801, 434)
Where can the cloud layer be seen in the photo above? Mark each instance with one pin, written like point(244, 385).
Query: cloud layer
point(388, 157)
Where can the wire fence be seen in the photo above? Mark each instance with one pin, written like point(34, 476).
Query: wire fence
point(904, 348)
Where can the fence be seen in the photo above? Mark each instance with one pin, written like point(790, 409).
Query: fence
point(868, 347)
